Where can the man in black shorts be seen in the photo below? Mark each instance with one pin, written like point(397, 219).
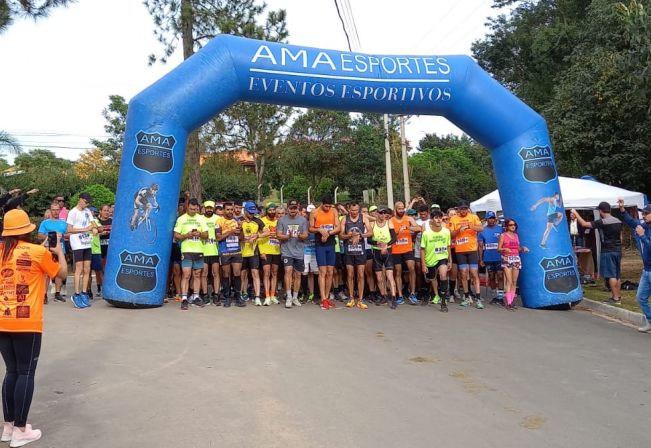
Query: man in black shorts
point(355, 228)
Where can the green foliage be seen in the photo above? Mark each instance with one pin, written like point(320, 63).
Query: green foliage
point(99, 193)
point(41, 160)
point(34, 9)
point(448, 175)
point(224, 179)
point(115, 115)
point(585, 66)
point(9, 144)
point(296, 188)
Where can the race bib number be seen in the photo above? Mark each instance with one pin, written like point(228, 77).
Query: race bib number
point(211, 241)
point(103, 242)
point(328, 227)
point(462, 241)
point(491, 246)
point(84, 238)
point(232, 239)
point(355, 249)
point(513, 259)
point(274, 242)
point(402, 241)
point(440, 250)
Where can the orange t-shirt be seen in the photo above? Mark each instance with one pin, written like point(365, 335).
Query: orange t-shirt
point(403, 242)
point(22, 287)
point(465, 241)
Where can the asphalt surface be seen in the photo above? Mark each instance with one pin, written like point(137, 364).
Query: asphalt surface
point(271, 377)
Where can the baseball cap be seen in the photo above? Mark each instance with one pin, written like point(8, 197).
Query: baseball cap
point(463, 204)
point(310, 208)
point(383, 208)
point(411, 212)
point(292, 203)
point(219, 205)
point(646, 209)
point(604, 207)
point(250, 207)
point(490, 215)
point(86, 197)
point(92, 209)
point(372, 208)
point(271, 205)
point(209, 204)
point(433, 206)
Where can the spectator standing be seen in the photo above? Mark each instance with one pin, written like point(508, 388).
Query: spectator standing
point(642, 233)
point(54, 224)
point(24, 267)
point(610, 260)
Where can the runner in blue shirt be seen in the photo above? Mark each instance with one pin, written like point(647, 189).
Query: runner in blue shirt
point(490, 258)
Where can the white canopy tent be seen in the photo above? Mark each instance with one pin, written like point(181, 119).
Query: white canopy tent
point(576, 193)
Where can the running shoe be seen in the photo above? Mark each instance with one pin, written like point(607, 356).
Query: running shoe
point(495, 301)
point(267, 301)
point(296, 302)
point(350, 303)
point(215, 300)
point(361, 305)
point(479, 304)
point(413, 300)
point(382, 300)
point(436, 299)
point(394, 302)
point(310, 298)
point(465, 302)
point(227, 301)
point(257, 301)
point(22, 438)
point(274, 300)
point(245, 297)
point(86, 299)
point(198, 301)
point(7, 431)
point(326, 304)
point(58, 297)
point(643, 329)
point(184, 304)
point(613, 301)
point(444, 307)
point(400, 300)
point(341, 296)
point(288, 302)
point(425, 301)
point(177, 298)
point(240, 302)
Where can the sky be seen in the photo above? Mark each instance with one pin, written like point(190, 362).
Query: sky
point(57, 73)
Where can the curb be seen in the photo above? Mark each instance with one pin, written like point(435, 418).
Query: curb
point(631, 317)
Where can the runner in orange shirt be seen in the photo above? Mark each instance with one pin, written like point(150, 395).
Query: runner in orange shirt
point(465, 227)
point(403, 252)
point(24, 267)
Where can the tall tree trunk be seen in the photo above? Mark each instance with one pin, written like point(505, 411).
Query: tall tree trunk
point(193, 149)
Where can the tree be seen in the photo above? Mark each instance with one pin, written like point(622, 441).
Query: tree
point(224, 179)
point(92, 161)
point(41, 160)
point(115, 115)
point(9, 144)
point(34, 9)
point(584, 65)
point(195, 22)
point(99, 193)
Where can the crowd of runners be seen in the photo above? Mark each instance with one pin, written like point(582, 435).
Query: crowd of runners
point(227, 254)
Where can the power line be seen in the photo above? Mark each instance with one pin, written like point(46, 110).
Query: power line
point(353, 23)
point(440, 20)
point(343, 25)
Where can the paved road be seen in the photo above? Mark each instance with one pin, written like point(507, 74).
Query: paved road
point(270, 377)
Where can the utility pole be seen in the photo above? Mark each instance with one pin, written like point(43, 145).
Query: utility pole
point(405, 167)
point(387, 158)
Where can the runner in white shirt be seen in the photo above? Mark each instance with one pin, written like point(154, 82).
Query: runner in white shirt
point(80, 227)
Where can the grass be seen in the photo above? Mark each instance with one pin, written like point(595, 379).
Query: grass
point(631, 268)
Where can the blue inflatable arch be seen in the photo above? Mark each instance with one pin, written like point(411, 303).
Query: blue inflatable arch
point(231, 69)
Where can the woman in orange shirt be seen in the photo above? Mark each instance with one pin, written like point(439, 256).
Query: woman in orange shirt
point(23, 267)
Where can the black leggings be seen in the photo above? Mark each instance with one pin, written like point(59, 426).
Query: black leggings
point(20, 352)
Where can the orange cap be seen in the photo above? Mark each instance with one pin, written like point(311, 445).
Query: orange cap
point(16, 222)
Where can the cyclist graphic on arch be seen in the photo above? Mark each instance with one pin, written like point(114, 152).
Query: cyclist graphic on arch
point(554, 214)
point(143, 202)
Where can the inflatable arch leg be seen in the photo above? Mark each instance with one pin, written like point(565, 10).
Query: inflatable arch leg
point(230, 69)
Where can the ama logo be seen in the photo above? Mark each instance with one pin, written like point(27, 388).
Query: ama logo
point(538, 164)
point(154, 152)
point(561, 276)
point(137, 271)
